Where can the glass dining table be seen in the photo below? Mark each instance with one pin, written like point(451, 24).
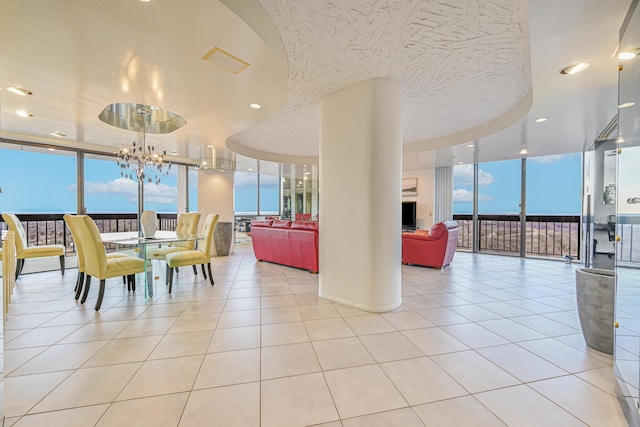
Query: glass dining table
point(131, 241)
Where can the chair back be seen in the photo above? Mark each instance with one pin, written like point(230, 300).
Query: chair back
point(207, 233)
point(73, 222)
point(187, 226)
point(15, 225)
point(95, 255)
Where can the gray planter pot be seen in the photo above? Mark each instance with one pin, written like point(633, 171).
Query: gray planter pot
point(222, 238)
point(595, 292)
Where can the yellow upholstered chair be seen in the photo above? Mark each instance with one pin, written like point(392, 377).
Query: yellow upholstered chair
point(96, 262)
point(194, 257)
point(23, 251)
point(72, 222)
point(187, 227)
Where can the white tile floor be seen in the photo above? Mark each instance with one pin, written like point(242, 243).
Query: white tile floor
point(489, 341)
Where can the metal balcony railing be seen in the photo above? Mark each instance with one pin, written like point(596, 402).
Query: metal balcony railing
point(546, 235)
point(50, 229)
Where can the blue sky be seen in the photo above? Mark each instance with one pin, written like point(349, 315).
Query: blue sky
point(52, 186)
point(554, 186)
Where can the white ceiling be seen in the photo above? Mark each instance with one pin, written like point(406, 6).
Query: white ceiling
point(468, 69)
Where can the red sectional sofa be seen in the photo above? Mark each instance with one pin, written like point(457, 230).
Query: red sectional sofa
point(284, 242)
point(433, 248)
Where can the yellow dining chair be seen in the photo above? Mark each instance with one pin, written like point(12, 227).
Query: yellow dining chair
point(96, 262)
point(72, 222)
point(200, 256)
point(187, 227)
point(23, 251)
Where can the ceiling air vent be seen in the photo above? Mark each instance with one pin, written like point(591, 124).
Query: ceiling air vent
point(223, 59)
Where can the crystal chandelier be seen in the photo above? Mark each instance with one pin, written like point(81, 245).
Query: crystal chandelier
point(142, 160)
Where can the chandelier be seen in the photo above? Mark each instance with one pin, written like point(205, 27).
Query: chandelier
point(142, 160)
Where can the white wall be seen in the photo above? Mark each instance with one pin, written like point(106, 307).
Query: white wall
point(425, 197)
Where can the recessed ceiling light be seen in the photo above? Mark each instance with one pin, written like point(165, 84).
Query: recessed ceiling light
point(461, 163)
point(145, 1)
point(470, 145)
point(51, 149)
point(255, 106)
point(210, 146)
point(174, 153)
point(620, 140)
point(541, 120)
point(628, 54)
point(627, 105)
point(250, 169)
point(523, 151)
point(22, 113)
point(19, 91)
point(575, 68)
point(58, 134)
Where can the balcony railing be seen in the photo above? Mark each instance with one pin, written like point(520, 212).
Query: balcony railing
point(50, 229)
point(546, 235)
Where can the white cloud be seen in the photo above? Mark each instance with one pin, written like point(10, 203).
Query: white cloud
point(463, 176)
point(462, 195)
point(153, 193)
point(548, 159)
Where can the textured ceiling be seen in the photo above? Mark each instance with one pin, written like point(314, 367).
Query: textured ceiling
point(464, 58)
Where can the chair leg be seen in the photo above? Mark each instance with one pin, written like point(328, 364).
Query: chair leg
point(203, 273)
point(62, 264)
point(19, 266)
point(124, 280)
point(195, 270)
point(86, 289)
point(100, 294)
point(177, 270)
point(210, 275)
point(133, 282)
point(79, 280)
point(81, 285)
point(169, 278)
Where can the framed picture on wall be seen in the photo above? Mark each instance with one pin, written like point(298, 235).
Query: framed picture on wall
point(409, 187)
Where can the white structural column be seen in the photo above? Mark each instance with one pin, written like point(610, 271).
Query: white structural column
point(443, 203)
point(360, 195)
point(215, 195)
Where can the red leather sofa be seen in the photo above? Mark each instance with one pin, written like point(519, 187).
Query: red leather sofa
point(433, 248)
point(284, 242)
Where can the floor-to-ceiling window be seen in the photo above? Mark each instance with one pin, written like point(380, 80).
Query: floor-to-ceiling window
point(551, 204)
point(193, 189)
point(36, 180)
point(553, 197)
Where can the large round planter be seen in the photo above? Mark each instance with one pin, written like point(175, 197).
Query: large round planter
point(222, 238)
point(595, 292)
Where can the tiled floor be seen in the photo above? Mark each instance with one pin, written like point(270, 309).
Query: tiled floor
point(489, 341)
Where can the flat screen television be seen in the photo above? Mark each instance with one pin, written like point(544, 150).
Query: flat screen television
point(408, 215)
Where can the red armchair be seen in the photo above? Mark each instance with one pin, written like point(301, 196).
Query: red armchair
point(434, 248)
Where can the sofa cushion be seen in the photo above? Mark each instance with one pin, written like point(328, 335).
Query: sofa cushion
point(277, 223)
point(261, 223)
point(304, 225)
point(424, 232)
point(437, 230)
